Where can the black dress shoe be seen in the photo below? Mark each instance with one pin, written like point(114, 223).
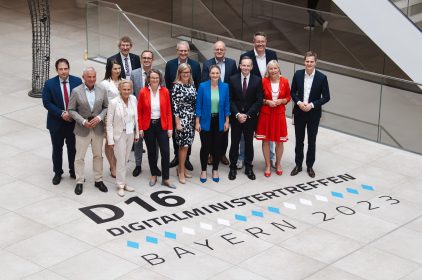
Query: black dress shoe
point(311, 172)
point(72, 174)
point(250, 174)
point(78, 189)
point(188, 165)
point(137, 171)
point(56, 179)
point(100, 185)
point(232, 174)
point(174, 162)
point(295, 170)
point(158, 172)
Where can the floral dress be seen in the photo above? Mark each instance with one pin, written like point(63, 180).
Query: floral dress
point(184, 100)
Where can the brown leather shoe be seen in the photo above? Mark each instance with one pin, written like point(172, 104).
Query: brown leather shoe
point(296, 170)
point(224, 160)
point(311, 172)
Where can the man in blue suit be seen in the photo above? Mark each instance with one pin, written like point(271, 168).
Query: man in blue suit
point(55, 97)
point(228, 68)
point(309, 91)
point(170, 75)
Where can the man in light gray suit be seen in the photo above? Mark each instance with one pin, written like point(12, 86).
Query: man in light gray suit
point(138, 77)
point(88, 107)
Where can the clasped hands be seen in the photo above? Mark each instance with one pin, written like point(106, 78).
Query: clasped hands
point(92, 123)
point(305, 107)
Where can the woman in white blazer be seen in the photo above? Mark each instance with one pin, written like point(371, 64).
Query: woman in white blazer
point(122, 131)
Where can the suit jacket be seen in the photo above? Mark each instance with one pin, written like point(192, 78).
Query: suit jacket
point(283, 92)
point(319, 95)
point(53, 101)
point(171, 71)
point(251, 102)
point(144, 109)
point(203, 104)
point(230, 69)
point(116, 118)
point(137, 79)
point(269, 55)
point(80, 111)
point(135, 62)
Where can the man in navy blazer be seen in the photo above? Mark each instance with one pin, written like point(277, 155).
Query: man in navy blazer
point(169, 77)
point(246, 95)
point(128, 61)
point(260, 55)
point(228, 68)
point(309, 91)
point(55, 97)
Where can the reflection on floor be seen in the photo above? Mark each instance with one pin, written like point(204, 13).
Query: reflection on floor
point(360, 218)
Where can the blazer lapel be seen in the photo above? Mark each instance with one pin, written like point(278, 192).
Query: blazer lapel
point(58, 92)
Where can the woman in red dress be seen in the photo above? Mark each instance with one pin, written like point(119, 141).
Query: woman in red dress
point(272, 125)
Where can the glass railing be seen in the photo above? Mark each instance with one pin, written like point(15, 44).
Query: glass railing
point(292, 29)
point(376, 107)
point(412, 9)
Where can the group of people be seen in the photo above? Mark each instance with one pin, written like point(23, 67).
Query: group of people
point(135, 102)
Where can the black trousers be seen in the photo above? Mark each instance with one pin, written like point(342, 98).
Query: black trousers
point(310, 123)
point(224, 143)
point(155, 134)
point(175, 146)
point(58, 138)
point(210, 144)
point(248, 129)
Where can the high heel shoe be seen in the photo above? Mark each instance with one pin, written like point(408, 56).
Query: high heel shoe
point(267, 174)
point(216, 179)
point(203, 180)
point(181, 181)
point(188, 175)
point(278, 171)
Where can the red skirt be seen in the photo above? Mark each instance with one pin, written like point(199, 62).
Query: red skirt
point(272, 127)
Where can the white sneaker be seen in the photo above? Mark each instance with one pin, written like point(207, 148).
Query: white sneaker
point(239, 164)
point(129, 189)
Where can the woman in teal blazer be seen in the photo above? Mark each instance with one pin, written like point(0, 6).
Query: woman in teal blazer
point(212, 119)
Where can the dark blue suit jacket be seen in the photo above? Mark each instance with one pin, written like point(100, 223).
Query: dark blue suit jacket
point(53, 101)
point(319, 95)
point(171, 71)
point(269, 55)
point(252, 101)
point(230, 69)
point(135, 62)
point(203, 104)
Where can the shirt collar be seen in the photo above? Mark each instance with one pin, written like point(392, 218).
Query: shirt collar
point(256, 54)
point(310, 76)
point(61, 80)
point(123, 57)
point(86, 88)
point(150, 89)
point(217, 61)
point(247, 77)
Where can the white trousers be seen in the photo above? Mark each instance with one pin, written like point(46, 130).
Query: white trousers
point(122, 148)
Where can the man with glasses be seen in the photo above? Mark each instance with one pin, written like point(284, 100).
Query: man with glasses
point(128, 61)
point(183, 50)
point(138, 77)
point(228, 68)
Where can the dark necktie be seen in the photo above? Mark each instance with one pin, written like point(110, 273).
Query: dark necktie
point(127, 67)
point(66, 95)
point(244, 87)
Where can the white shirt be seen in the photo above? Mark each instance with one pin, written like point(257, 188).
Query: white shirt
point(275, 89)
point(222, 66)
point(90, 95)
point(124, 65)
point(68, 90)
point(155, 103)
point(262, 63)
point(307, 86)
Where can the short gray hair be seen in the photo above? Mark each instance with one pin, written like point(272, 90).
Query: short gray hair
point(87, 69)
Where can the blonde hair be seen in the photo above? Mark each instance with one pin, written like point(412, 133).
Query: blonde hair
point(124, 82)
point(182, 67)
point(272, 63)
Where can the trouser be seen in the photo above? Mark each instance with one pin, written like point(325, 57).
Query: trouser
point(155, 134)
point(247, 128)
point(122, 149)
point(310, 123)
point(210, 144)
point(58, 138)
point(82, 143)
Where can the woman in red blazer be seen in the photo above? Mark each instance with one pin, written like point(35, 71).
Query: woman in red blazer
point(272, 119)
point(155, 124)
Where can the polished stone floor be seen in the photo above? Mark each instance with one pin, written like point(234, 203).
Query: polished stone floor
point(360, 218)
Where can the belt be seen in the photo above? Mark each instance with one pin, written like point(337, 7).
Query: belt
point(214, 115)
point(155, 121)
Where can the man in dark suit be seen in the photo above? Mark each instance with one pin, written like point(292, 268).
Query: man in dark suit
point(170, 75)
point(309, 91)
point(128, 61)
point(55, 97)
point(228, 68)
point(246, 96)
